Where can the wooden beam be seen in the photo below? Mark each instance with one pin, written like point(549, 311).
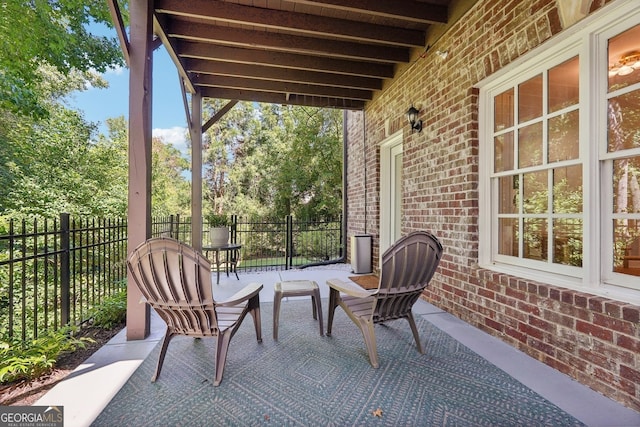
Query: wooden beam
point(278, 98)
point(118, 23)
point(283, 87)
point(261, 72)
point(288, 60)
point(171, 50)
point(408, 10)
point(196, 171)
point(292, 22)
point(199, 32)
point(139, 196)
point(220, 114)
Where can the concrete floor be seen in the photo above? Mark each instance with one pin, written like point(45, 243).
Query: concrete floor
point(86, 392)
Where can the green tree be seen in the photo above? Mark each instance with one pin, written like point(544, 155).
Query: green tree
point(273, 160)
point(53, 32)
point(170, 190)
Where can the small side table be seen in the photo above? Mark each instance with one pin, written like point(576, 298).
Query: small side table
point(231, 258)
point(296, 288)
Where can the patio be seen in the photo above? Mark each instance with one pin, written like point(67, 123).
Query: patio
point(115, 365)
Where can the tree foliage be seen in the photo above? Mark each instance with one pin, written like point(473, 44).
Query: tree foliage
point(273, 160)
point(54, 33)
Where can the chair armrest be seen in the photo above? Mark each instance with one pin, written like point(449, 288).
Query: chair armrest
point(244, 294)
point(350, 288)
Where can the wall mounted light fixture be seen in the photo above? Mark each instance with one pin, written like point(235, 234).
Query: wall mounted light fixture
point(412, 116)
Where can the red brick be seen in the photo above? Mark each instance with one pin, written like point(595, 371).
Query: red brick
point(597, 304)
point(629, 343)
point(631, 313)
point(594, 330)
point(613, 324)
point(630, 374)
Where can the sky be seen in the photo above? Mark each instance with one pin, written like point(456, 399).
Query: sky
point(169, 119)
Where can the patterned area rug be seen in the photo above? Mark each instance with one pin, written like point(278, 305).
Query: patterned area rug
point(304, 379)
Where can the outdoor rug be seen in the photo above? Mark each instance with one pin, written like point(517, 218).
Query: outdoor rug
point(304, 379)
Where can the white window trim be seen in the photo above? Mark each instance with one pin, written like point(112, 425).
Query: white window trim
point(588, 39)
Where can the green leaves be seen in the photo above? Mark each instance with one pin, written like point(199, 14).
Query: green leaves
point(49, 32)
point(18, 361)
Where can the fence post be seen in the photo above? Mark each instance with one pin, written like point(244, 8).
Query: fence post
point(65, 273)
point(288, 256)
point(234, 229)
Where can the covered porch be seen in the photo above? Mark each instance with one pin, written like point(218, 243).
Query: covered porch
point(113, 387)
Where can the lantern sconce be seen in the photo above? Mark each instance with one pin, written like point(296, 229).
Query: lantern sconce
point(412, 116)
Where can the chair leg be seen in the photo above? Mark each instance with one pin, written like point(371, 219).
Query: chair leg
point(333, 302)
point(163, 352)
point(414, 329)
point(222, 346)
point(317, 308)
point(257, 323)
point(367, 328)
point(277, 298)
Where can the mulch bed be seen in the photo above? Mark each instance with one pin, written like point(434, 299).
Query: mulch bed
point(22, 393)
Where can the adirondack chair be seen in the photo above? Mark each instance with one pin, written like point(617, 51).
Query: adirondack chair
point(407, 268)
point(175, 280)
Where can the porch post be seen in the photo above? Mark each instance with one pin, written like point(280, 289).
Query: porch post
point(195, 131)
point(139, 213)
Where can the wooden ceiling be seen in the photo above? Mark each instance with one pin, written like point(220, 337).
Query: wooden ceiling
point(330, 53)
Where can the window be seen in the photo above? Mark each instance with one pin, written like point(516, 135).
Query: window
point(623, 141)
point(560, 146)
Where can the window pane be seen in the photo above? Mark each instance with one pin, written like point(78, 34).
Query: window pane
point(503, 146)
point(535, 238)
point(508, 194)
point(508, 236)
point(530, 99)
point(626, 258)
point(503, 114)
point(564, 88)
point(626, 185)
point(567, 189)
point(624, 121)
point(530, 145)
point(563, 137)
point(535, 193)
point(624, 59)
point(567, 241)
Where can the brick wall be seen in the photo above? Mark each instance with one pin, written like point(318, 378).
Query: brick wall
point(594, 340)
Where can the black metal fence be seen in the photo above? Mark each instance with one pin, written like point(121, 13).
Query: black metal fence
point(54, 271)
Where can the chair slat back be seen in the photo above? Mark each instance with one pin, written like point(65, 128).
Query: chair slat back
point(407, 267)
point(175, 280)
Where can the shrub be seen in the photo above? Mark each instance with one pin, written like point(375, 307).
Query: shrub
point(111, 312)
point(20, 361)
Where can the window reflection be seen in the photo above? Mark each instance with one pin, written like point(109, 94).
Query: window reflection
point(503, 110)
point(535, 239)
point(567, 241)
point(624, 59)
point(530, 99)
point(564, 89)
point(530, 145)
point(503, 146)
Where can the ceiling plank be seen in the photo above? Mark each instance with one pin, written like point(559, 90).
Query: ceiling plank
point(285, 42)
point(283, 87)
point(282, 59)
point(292, 21)
point(415, 11)
point(281, 74)
point(278, 98)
